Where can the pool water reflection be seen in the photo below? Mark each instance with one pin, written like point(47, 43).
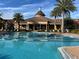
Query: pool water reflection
point(35, 36)
point(33, 45)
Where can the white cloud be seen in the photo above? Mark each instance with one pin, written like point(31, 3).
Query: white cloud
point(25, 6)
point(27, 13)
point(75, 14)
point(8, 15)
point(9, 11)
point(37, 4)
point(10, 8)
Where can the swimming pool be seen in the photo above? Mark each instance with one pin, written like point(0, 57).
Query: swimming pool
point(33, 45)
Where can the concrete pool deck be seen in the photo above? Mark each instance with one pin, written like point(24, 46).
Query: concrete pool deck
point(71, 52)
point(71, 35)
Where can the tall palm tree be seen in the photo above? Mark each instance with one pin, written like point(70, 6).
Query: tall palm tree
point(18, 17)
point(63, 7)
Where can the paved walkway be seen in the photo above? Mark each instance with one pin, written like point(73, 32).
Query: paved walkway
point(70, 52)
point(71, 35)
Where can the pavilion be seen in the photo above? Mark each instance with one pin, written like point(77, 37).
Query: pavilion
point(39, 23)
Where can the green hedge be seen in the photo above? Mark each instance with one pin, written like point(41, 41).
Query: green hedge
point(75, 31)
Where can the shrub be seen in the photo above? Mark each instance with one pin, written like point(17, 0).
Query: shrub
point(75, 31)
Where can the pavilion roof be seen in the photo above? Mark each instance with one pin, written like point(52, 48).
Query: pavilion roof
point(76, 22)
point(40, 13)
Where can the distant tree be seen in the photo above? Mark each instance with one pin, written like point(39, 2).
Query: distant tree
point(1, 25)
point(1, 21)
point(18, 17)
point(69, 23)
point(10, 26)
point(64, 7)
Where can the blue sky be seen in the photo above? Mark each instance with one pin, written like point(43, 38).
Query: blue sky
point(29, 7)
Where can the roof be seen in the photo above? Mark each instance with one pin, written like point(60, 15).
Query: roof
point(44, 19)
point(76, 22)
point(41, 19)
point(37, 19)
point(40, 13)
point(54, 20)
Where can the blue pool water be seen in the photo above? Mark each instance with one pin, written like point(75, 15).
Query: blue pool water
point(33, 45)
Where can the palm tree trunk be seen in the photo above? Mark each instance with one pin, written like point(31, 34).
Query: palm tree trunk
point(55, 17)
point(62, 29)
point(18, 26)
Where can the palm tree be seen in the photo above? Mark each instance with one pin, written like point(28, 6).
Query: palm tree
point(1, 22)
point(55, 13)
point(1, 19)
point(18, 17)
point(64, 7)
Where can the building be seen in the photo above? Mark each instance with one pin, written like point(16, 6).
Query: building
point(39, 23)
point(76, 22)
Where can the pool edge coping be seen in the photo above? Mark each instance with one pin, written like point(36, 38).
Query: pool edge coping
point(64, 54)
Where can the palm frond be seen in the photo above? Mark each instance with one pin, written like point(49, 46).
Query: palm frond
point(64, 6)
